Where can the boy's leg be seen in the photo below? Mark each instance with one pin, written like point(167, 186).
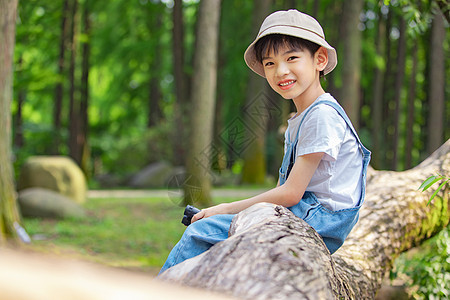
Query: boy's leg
point(199, 237)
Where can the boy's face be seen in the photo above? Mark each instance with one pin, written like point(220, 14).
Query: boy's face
point(294, 73)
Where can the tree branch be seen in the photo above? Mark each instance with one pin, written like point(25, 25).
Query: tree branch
point(272, 254)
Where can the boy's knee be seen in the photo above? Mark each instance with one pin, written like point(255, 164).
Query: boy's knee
point(196, 228)
point(211, 225)
point(191, 229)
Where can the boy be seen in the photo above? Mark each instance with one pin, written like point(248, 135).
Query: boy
point(322, 176)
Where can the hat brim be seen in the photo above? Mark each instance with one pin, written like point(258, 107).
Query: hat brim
point(257, 67)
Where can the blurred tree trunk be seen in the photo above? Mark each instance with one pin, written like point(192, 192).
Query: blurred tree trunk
point(29, 275)
point(331, 22)
point(399, 77)
point(74, 114)
point(377, 102)
point(436, 84)
point(256, 112)
point(155, 94)
point(82, 139)
point(59, 89)
point(18, 121)
point(349, 95)
point(9, 214)
point(315, 11)
point(219, 159)
point(79, 90)
point(181, 94)
point(272, 254)
point(198, 160)
point(410, 116)
point(388, 96)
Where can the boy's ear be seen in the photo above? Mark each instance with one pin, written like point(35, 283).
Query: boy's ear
point(321, 58)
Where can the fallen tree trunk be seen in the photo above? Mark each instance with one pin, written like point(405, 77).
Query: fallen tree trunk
point(271, 254)
point(27, 275)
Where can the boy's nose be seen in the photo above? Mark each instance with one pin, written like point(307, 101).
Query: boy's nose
point(282, 70)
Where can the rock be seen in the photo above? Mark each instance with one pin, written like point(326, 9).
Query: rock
point(155, 175)
point(58, 173)
point(177, 178)
point(44, 203)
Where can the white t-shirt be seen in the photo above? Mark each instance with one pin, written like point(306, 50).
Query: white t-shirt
point(337, 180)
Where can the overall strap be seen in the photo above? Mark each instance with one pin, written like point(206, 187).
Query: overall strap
point(342, 113)
point(303, 118)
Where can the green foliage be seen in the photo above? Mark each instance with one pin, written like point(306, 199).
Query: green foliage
point(131, 45)
point(418, 14)
point(432, 180)
point(427, 269)
point(126, 154)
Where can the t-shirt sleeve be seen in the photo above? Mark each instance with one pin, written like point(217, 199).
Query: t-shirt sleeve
point(322, 130)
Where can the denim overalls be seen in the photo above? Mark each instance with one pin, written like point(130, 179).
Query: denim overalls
point(333, 226)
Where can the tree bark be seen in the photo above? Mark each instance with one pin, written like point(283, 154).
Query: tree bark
point(271, 254)
point(9, 214)
point(198, 161)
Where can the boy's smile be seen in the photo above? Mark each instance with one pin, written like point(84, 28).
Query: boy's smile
point(286, 84)
point(294, 74)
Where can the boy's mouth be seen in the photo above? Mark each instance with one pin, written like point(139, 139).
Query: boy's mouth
point(286, 84)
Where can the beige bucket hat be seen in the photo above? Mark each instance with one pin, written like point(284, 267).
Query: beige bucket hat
point(293, 23)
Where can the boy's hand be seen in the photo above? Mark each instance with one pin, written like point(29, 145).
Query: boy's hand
point(210, 211)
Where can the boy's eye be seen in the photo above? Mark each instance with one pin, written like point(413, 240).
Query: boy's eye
point(269, 63)
point(292, 57)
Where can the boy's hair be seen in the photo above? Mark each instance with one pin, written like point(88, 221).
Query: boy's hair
point(273, 42)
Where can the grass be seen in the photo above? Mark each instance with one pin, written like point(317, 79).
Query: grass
point(131, 233)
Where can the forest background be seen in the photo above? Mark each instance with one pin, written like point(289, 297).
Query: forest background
point(109, 83)
point(112, 86)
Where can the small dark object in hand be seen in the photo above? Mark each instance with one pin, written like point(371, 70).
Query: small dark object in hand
point(189, 212)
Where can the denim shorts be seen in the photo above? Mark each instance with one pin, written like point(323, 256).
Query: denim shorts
point(332, 226)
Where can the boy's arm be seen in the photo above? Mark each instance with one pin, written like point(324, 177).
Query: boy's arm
point(288, 194)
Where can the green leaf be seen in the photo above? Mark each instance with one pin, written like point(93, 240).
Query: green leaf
point(426, 181)
point(429, 182)
point(437, 191)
